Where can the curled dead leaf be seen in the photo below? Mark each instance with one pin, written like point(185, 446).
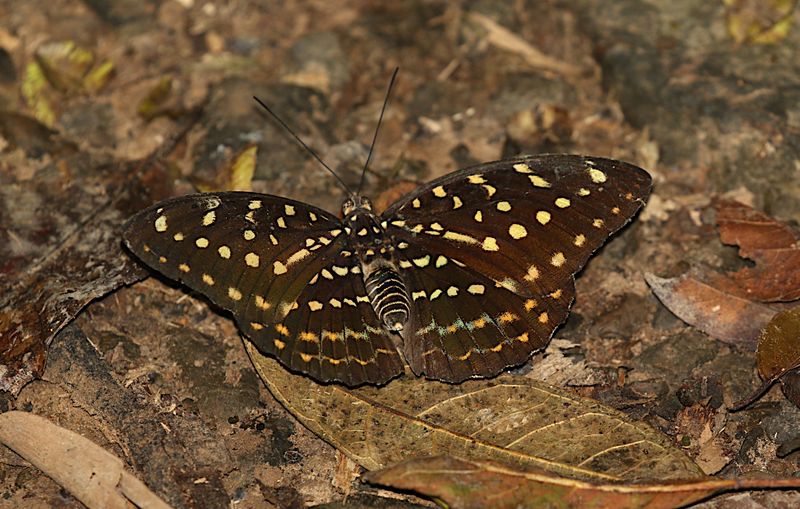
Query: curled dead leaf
point(719, 314)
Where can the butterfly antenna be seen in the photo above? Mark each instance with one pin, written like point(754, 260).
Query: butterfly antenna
point(298, 140)
point(377, 128)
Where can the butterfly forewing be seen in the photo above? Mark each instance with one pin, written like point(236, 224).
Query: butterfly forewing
point(254, 255)
point(520, 229)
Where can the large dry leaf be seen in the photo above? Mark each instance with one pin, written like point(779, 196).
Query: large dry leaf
point(719, 314)
point(510, 419)
point(93, 475)
point(468, 484)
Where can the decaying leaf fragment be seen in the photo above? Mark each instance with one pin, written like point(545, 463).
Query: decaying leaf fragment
point(510, 419)
point(467, 484)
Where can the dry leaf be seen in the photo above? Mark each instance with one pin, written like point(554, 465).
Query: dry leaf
point(759, 21)
point(510, 418)
point(477, 484)
point(778, 352)
point(773, 246)
point(90, 473)
point(236, 175)
point(719, 314)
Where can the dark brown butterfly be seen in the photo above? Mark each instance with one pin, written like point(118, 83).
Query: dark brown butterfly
point(463, 277)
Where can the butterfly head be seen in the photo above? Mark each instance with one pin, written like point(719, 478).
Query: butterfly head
point(355, 204)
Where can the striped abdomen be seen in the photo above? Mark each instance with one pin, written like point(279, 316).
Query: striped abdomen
point(388, 296)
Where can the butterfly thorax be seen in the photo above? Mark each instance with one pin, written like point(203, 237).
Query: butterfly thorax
point(375, 251)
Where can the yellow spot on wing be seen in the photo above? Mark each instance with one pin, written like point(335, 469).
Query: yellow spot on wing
point(178, 237)
point(249, 235)
point(209, 218)
point(580, 239)
point(503, 206)
point(252, 260)
point(460, 237)
point(489, 190)
point(457, 203)
point(306, 357)
point(562, 203)
point(308, 336)
point(280, 345)
point(558, 259)
point(183, 267)
point(288, 209)
point(538, 181)
point(261, 303)
point(543, 318)
point(282, 329)
point(201, 242)
point(234, 293)
point(507, 317)
point(476, 179)
point(522, 168)
point(439, 192)
point(296, 257)
point(490, 244)
point(278, 268)
point(224, 252)
point(161, 224)
point(597, 176)
point(415, 203)
point(314, 305)
point(533, 274)
point(476, 289)
point(517, 231)
point(479, 216)
point(281, 222)
point(543, 217)
point(254, 204)
point(207, 279)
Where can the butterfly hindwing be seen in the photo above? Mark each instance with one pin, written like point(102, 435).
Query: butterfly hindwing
point(337, 336)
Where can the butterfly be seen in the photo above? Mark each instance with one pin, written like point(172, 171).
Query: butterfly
point(462, 278)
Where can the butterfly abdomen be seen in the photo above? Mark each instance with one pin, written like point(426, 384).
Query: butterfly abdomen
point(388, 295)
